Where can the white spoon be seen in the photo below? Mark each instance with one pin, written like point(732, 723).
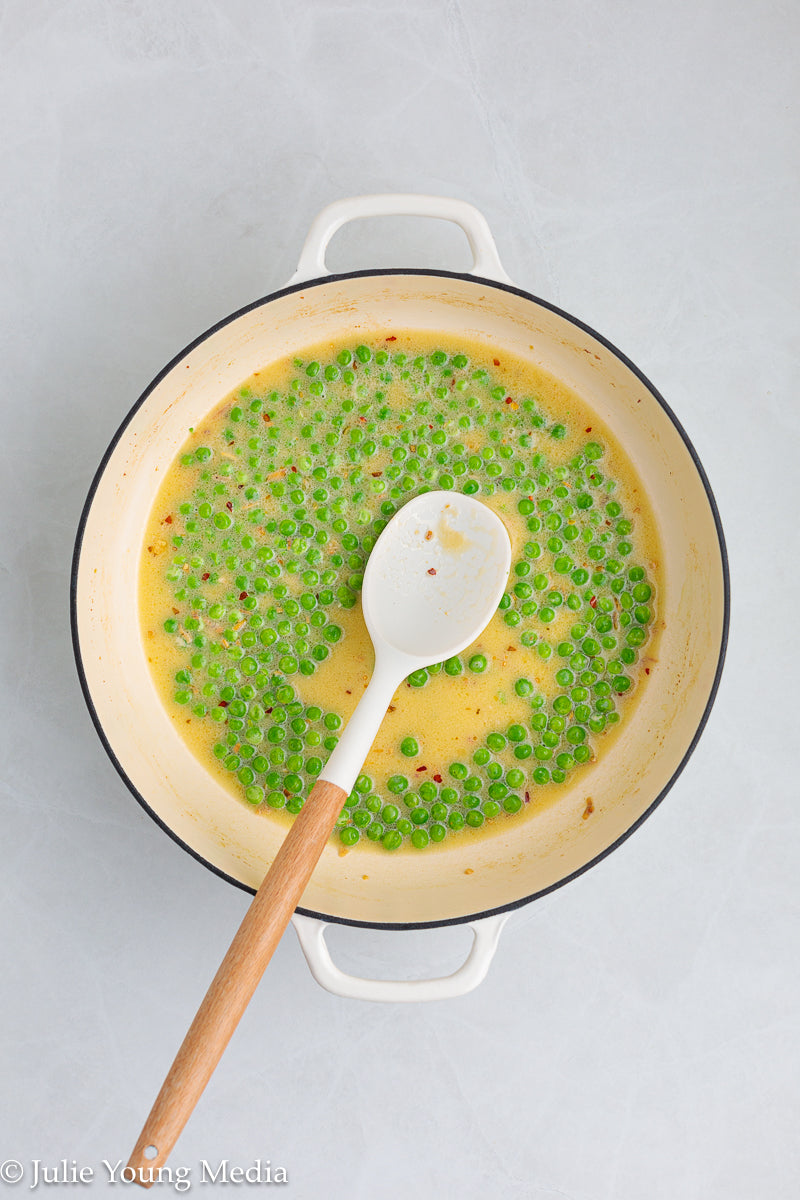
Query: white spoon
point(431, 585)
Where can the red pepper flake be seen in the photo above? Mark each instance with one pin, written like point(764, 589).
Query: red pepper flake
point(242, 595)
point(593, 602)
point(267, 710)
point(205, 577)
point(168, 519)
point(421, 769)
point(229, 505)
point(432, 570)
point(230, 443)
point(508, 400)
point(376, 474)
point(295, 470)
point(437, 779)
point(587, 812)
point(647, 670)
point(527, 797)
point(223, 703)
point(265, 417)
point(588, 429)
point(429, 535)
point(391, 339)
point(496, 362)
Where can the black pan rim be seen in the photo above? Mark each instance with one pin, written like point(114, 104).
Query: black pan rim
point(442, 274)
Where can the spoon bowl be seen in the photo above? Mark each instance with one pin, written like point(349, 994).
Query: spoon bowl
point(435, 576)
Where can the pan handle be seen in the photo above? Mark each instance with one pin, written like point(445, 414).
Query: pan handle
point(311, 935)
point(485, 260)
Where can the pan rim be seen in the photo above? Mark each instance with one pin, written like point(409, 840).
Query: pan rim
point(378, 272)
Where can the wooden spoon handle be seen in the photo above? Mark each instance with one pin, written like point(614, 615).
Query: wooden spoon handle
point(237, 978)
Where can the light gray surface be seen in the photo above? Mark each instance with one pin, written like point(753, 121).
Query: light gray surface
point(638, 1034)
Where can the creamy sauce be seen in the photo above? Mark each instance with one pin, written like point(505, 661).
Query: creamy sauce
point(449, 715)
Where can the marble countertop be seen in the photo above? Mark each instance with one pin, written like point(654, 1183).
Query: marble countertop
point(637, 1036)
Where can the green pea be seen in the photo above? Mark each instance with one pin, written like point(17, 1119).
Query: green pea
point(397, 784)
point(409, 747)
point(478, 663)
point(453, 666)
point(392, 839)
point(420, 839)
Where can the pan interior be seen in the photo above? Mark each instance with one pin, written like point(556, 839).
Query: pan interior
point(526, 857)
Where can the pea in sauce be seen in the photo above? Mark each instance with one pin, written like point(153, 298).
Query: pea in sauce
point(254, 558)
